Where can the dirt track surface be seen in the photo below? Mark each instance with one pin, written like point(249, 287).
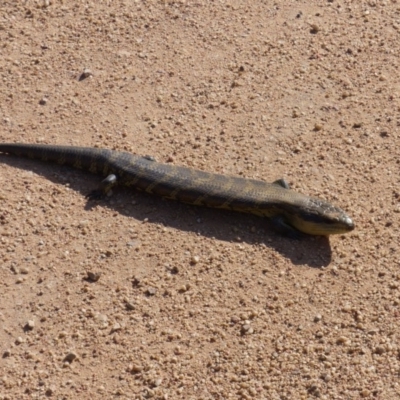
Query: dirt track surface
point(192, 303)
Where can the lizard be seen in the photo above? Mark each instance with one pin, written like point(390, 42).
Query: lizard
point(293, 214)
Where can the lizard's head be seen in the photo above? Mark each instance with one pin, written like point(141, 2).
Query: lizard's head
point(318, 217)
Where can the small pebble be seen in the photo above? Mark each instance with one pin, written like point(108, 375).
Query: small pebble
point(317, 318)
point(343, 340)
point(116, 327)
point(379, 350)
point(85, 74)
point(157, 382)
point(6, 353)
point(129, 305)
point(365, 393)
point(151, 291)
point(194, 260)
point(29, 325)
point(174, 270)
point(19, 340)
point(184, 288)
point(246, 329)
point(135, 368)
point(93, 276)
point(70, 357)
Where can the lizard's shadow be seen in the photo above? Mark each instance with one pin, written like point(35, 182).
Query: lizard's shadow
point(220, 224)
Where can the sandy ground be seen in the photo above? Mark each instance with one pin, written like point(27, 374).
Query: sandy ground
point(193, 303)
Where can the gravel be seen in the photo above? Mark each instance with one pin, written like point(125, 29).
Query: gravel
point(138, 297)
